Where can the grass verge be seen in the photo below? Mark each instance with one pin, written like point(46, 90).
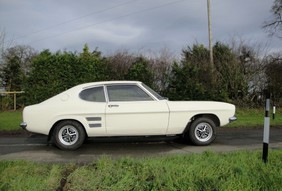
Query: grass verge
point(10, 120)
point(242, 170)
point(254, 118)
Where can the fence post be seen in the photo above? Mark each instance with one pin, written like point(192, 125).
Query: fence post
point(14, 95)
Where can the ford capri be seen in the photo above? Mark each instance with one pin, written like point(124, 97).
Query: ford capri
point(123, 108)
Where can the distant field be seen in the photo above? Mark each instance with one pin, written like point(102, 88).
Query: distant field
point(10, 120)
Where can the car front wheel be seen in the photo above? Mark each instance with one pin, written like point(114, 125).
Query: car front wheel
point(202, 131)
point(69, 135)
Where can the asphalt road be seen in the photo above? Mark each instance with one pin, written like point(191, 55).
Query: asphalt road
point(35, 148)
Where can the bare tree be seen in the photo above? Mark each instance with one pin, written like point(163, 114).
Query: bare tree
point(15, 65)
point(273, 73)
point(119, 64)
point(4, 43)
point(161, 63)
point(252, 58)
point(274, 25)
point(23, 53)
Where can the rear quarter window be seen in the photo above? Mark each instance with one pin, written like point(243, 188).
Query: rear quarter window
point(95, 94)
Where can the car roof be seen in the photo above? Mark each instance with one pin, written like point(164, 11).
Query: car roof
point(91, 84)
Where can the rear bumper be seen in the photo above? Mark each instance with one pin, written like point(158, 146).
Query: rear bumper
point(231, 119)
point(23, 125)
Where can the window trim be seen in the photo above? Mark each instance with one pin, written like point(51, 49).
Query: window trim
point(148, 91)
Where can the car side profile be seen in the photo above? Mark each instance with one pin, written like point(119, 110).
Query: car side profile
point(123, 108)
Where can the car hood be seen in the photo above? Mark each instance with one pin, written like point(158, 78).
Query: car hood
point(199, 106)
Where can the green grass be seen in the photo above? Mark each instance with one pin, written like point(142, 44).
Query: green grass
point(254, 118)
point(242, 170)
point(23, 175)
point(10, 120)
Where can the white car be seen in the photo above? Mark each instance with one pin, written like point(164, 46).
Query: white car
point(123, 108)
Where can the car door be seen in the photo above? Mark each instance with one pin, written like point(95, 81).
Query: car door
point(131, 111)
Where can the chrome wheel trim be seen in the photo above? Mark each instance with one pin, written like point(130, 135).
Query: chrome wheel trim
point(68, 135)
point(203, 132)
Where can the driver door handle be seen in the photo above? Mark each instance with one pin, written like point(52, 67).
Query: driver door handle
point(110, 106)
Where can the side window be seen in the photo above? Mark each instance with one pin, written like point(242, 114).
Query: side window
point(93, 94)
point(127, 93)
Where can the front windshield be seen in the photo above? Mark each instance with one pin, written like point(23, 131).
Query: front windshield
point(153, 92)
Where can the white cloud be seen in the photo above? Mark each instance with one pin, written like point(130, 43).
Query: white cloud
point(108, 33)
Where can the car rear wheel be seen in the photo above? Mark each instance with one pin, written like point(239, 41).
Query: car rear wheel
point(69, 135)
point(202, 131)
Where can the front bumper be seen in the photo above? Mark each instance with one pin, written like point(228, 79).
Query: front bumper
point(23, 125)
point(231, 119)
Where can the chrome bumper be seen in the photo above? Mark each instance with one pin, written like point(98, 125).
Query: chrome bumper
point(23, 125)
point(231, 119)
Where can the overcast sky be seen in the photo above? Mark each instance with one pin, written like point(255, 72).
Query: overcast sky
point(134, 25)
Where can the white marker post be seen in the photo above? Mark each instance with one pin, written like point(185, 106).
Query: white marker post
point(273, 112)
point(266, 128)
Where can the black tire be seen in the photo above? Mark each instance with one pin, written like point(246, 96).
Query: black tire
point(202, 131)
point(68, 135)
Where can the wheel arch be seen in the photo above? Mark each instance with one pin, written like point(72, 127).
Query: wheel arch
point(210, 116)
point(61, 120)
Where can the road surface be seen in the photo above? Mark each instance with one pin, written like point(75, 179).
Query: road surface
point(35, 148)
